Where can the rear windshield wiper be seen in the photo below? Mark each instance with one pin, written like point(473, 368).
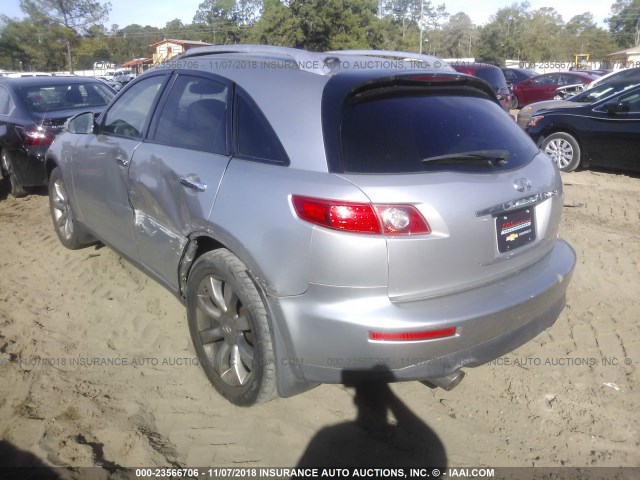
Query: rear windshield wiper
point(490, 158)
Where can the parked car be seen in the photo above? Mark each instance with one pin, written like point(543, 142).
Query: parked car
point(490, 74)
point(517, 75)
point(543, 87)
point(123, 76)
point(626, 74)
point(605, 133)
point(117, 86)
point(328, 242)
point(588, 96)
point(32, 112)
point(513, 76)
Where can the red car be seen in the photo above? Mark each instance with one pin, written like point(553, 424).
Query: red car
point(543, 87)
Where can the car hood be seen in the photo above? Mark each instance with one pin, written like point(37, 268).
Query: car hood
point(534, 107)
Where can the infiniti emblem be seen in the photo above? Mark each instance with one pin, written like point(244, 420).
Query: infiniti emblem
point(522, 184)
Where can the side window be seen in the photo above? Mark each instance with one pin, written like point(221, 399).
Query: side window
point(195, 115)
point(509, 75)
point(255, 137)
point(633, 100)
point(568, 80)
point(128, 115)
point(545, 80)
point(6, 102)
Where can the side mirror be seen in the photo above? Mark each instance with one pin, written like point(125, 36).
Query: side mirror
point(83, 123)
point(615, 108)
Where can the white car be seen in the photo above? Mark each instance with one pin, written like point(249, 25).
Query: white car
point(123, 76)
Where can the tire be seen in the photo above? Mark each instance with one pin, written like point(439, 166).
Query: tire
point(230, 329)
point(564, 150)
point(17, 190)
point(514, 102)
point(64, 220)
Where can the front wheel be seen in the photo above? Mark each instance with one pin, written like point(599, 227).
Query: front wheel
point(564, 149)
point(230, 330)
point(514, 102)
point(62, 213)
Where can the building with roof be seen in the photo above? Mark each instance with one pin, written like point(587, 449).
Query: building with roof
point(626, 58)
point(168, 48)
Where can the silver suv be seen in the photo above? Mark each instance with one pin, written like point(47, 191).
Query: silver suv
point(324, 216)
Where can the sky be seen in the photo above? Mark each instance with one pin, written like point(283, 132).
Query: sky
point(158, 13)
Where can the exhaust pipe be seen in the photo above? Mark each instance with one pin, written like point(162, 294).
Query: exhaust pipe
point(448, 382)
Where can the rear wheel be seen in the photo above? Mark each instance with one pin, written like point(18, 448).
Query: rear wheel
point(17, 190)
point(563, 148)
point(62, 213)
point(229, 329)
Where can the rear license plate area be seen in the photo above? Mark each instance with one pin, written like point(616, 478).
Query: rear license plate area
point(515, 229)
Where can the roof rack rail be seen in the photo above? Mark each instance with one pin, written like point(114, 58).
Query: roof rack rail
point(314, 62)
point(426, 60)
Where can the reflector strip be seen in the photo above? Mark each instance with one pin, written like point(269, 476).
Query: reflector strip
point(411, 336)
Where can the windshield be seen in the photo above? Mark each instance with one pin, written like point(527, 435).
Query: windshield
point(48, 98)
point(601, 91)
point(395, 135)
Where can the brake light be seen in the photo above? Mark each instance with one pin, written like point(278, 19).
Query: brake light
point(356, 217)
point(37, 136)
point(453, 77)
point(350, 216)
point(411, 336)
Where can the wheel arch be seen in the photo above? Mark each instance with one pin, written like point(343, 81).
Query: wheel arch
point(564, 128)
point(289, 378)
point(50, 162)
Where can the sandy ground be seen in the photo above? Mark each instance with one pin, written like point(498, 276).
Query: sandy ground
point(568, 398)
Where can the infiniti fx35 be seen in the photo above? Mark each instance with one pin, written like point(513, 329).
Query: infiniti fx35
point(323, 216)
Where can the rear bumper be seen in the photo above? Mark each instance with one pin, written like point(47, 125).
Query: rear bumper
point(325, 332)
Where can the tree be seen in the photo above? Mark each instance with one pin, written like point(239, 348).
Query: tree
point(504, 36)
point(74, 15)
point(582, 35)
point(227, 20)
point(334, 24)
point(276, 25)
point(624, 22)
point(459, 36)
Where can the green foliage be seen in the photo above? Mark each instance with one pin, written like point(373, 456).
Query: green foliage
point(624, 22)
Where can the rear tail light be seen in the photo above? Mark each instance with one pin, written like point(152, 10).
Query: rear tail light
point(412, 336)
point(361, 217)
point(35, 136)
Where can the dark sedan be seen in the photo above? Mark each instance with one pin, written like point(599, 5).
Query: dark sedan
point(543, 87)
point(490, 74)
point(605, 133)
point(32, 112)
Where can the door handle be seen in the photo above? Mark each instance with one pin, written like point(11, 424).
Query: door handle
point(121, 160)
point(192, 184)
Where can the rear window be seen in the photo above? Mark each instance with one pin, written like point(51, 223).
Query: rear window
point(47, 98)
point(493, 76)
point(394, 135)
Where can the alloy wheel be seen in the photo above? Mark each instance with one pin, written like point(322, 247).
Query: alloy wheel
point(62, 214)
point(224, 331)
point(561, 151)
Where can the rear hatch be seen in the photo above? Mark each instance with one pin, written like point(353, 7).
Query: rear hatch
point(491, 199)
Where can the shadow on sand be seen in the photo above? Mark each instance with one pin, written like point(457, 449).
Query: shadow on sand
point(386, 433)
